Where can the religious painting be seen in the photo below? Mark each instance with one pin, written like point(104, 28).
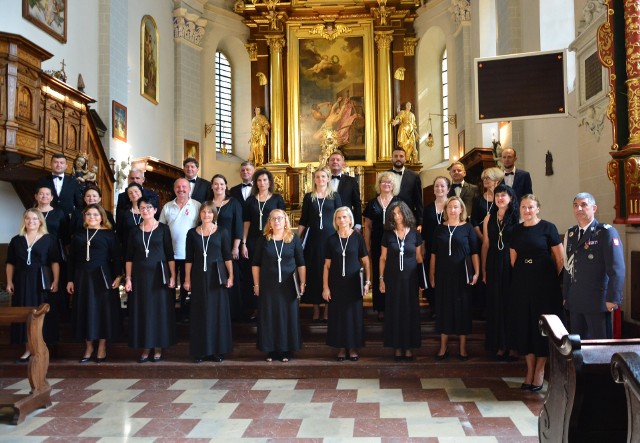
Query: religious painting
point(48, 15)
point(330, 86)
point(119, 121)
point(191, 149)
point(149, 80)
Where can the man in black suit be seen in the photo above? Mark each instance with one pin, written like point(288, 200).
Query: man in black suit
point(410, 185)
point(459, 187)
point(242, 191)
point(518, 179)
point(65, 189)
point(346, 186)
point(135, 175)
point(200, 188)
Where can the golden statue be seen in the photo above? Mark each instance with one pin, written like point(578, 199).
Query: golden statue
point(259, 131)
point(328, 145)
point(407, 132)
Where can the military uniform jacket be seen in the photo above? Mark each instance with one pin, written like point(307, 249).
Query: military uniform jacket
point(594, 268)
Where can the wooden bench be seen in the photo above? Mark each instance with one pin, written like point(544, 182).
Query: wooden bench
point(583, 402)
point(625, 368)
point(40, 395)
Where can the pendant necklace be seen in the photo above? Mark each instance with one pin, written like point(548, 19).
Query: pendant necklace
point(488, 206)
point(29, 247)
point(138, 219)
point(401, 246)
point(320, 206)
point(344, 250)
point(451, 231)
point(148, 242)
point(205, 247)
point(384, 208)
point(438, 215)
point(500, 229)
point(89, 242)
point(261, 208)
point(46, 214)
point(279, 254)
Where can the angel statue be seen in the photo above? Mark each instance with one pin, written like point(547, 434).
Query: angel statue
point(407, 132)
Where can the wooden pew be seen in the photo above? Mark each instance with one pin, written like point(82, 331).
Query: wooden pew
point(625, 368)
point(583, 402)
point(38, 365)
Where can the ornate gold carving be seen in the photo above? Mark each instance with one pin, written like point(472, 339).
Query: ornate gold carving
point(54, 131)
point(252, 50)
point(605, 44)
point(605, 54)
point(72, 136)
point(276, 43)
point(262, 79)
point(399, 74)
point(25, 103)
point(383, 39)
point(410, 44)
point(382, 13)
point(330, 30)
point(278, 181)
point(633, 100)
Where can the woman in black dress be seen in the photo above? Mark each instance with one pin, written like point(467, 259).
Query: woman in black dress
point(431, 218)
point(55, 218)
point(278, 255)
point(152, 289)
point(537, 260)
point(208, 275)
point(375, 215)
point(315, 227)
point(452, 276)
point(496, 270)
point(91, 195)
point(29, 252)
point(230, 217)
point(129, 218)
point(482, 204)
point(400, 258)
point(95, 266)
point(345, 255)
point(255, 216)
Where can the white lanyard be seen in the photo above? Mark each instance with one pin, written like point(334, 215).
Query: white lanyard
point(260, 209)
point(401, 247)
point(384, 209)
point(205, 248)
point(146, 245)
point(500, 239)
point(89, 242)
point(279, 254)
point(486, 203)
point(29, 247)
point(438, 216)
point(320, 206)
point(136, 220)
point(451, 235)
point(344, 250)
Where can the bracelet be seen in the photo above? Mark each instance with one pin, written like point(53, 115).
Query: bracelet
point(256, 286)
point(127, 278)
point(303, 284)
point(381, 278)
point(244, 242)
point(367, 282)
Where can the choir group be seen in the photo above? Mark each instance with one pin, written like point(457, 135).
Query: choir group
point(233, 252)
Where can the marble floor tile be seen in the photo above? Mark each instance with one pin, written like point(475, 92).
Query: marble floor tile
point(64, 426)
point(161, 410)
point(116, 427)
point(358, 383)
point(153, 384)
point(435, 427)
point(234, 383)
point(113, 384)
point(275, 384)
point(380, 427)
point(357, 410)
point(470, 394)
point(326, 428)
point(222, 429)
point(244, 396)
point(492, 426)
point(276, 428)
point(336, 396)
point(400, 383)
point(425, 395)
point(254, 410)
point(200, 396)
point(528, 426)
point(167, 427)
point(441, 383)
point(292, 396)
point(317, 383)
point(503, 409)
point(121, 410)
point(68, 409)
point(309, 411)
point(30, 424)
point(213, 411)
point(404, 410)
point(113, 396)
point(149, 396)
point(129, 440)
point(195, 384)
point(380, 395)
point(72, 395)
point(467, 440)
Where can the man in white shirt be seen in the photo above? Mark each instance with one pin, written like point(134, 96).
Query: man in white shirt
point(180, 214)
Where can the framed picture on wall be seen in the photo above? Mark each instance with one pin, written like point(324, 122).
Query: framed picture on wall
point(119, 121)
point(48, 15)
point(191, 149)
point(149, 51)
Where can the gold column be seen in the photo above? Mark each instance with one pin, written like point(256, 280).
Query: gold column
point(385, 137)
point(276, 44)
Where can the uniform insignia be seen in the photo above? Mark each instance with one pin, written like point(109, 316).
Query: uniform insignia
point(586, 245)
point(590, 256)
point(606, 226)
point(616, 242)
point(571, 234)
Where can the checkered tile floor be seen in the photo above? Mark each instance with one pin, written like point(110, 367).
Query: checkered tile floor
point(474, 409)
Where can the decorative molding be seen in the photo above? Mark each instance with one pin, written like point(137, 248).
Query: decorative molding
point(593, 120)
point(329, 31)
point(591, 11)
point(460, 11)
point(384, 39)
point(276, 43)
point(188, 27)
point(410, 44)
point(252, 49)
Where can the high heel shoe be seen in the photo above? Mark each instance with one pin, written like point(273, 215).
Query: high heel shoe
point(525, 386)
point(85, 359)
point(440, 357)
point(22, 360)
point(535, 388)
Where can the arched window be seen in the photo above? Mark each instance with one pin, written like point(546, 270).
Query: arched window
point(445, 107)
point(223, 102)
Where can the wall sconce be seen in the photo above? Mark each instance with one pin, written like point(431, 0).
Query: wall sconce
point(208, 129)
point(451, 119)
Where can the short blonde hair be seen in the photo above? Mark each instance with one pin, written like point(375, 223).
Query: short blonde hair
point(43, 224)
point(268, 230)
point(494, 174)
point(463, 213)
point(531, 197)
point(394, 181)
point(349, 213)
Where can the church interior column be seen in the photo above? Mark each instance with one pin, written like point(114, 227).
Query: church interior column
point(383, 40)
point(276, 44)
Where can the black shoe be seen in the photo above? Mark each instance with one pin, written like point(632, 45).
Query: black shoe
point(216, 358)
point(199, 360)
point(22, 360)
point(440, 357)
point(101, 360)
point(85, 360)
point(525, 386)
point(398, 357)
point(535, 388)
point(463, 357)
point(143, 359)
point(354, 358)
point(156, 359)
point(285, 357)
point(339, 358)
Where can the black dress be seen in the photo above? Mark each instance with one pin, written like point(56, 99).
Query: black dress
point(345, 328)
point(278, 315)
point(481, 207)
point(126, 222)
point(430, 220)
point(230, 218)
point(535, 285)
point(58, 225)
point(316, 240)
point(374, 212)
point(210, 315)
point(27, 282)
point(402, 312)
point(498, 269)
point(453, 294)
point(151, 304)
point(95, 306)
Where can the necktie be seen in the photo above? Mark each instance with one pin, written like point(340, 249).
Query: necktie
point(508, 173)
point(337, 177)
point(193, 180)
point(396, 172)
point(580, 234)
point(244, 185)
point(58, 177)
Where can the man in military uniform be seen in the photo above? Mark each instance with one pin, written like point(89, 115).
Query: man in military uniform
point(594, 277)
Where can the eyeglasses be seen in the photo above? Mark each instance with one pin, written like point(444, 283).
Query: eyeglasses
point(386, 183)
point(146, 208)
point(278, 219)
point(92, 214)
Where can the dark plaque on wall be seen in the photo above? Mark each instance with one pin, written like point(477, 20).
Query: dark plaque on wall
point(521, 86)
point(592, 76)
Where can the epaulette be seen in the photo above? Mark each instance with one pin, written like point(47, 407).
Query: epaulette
point(606, 226)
